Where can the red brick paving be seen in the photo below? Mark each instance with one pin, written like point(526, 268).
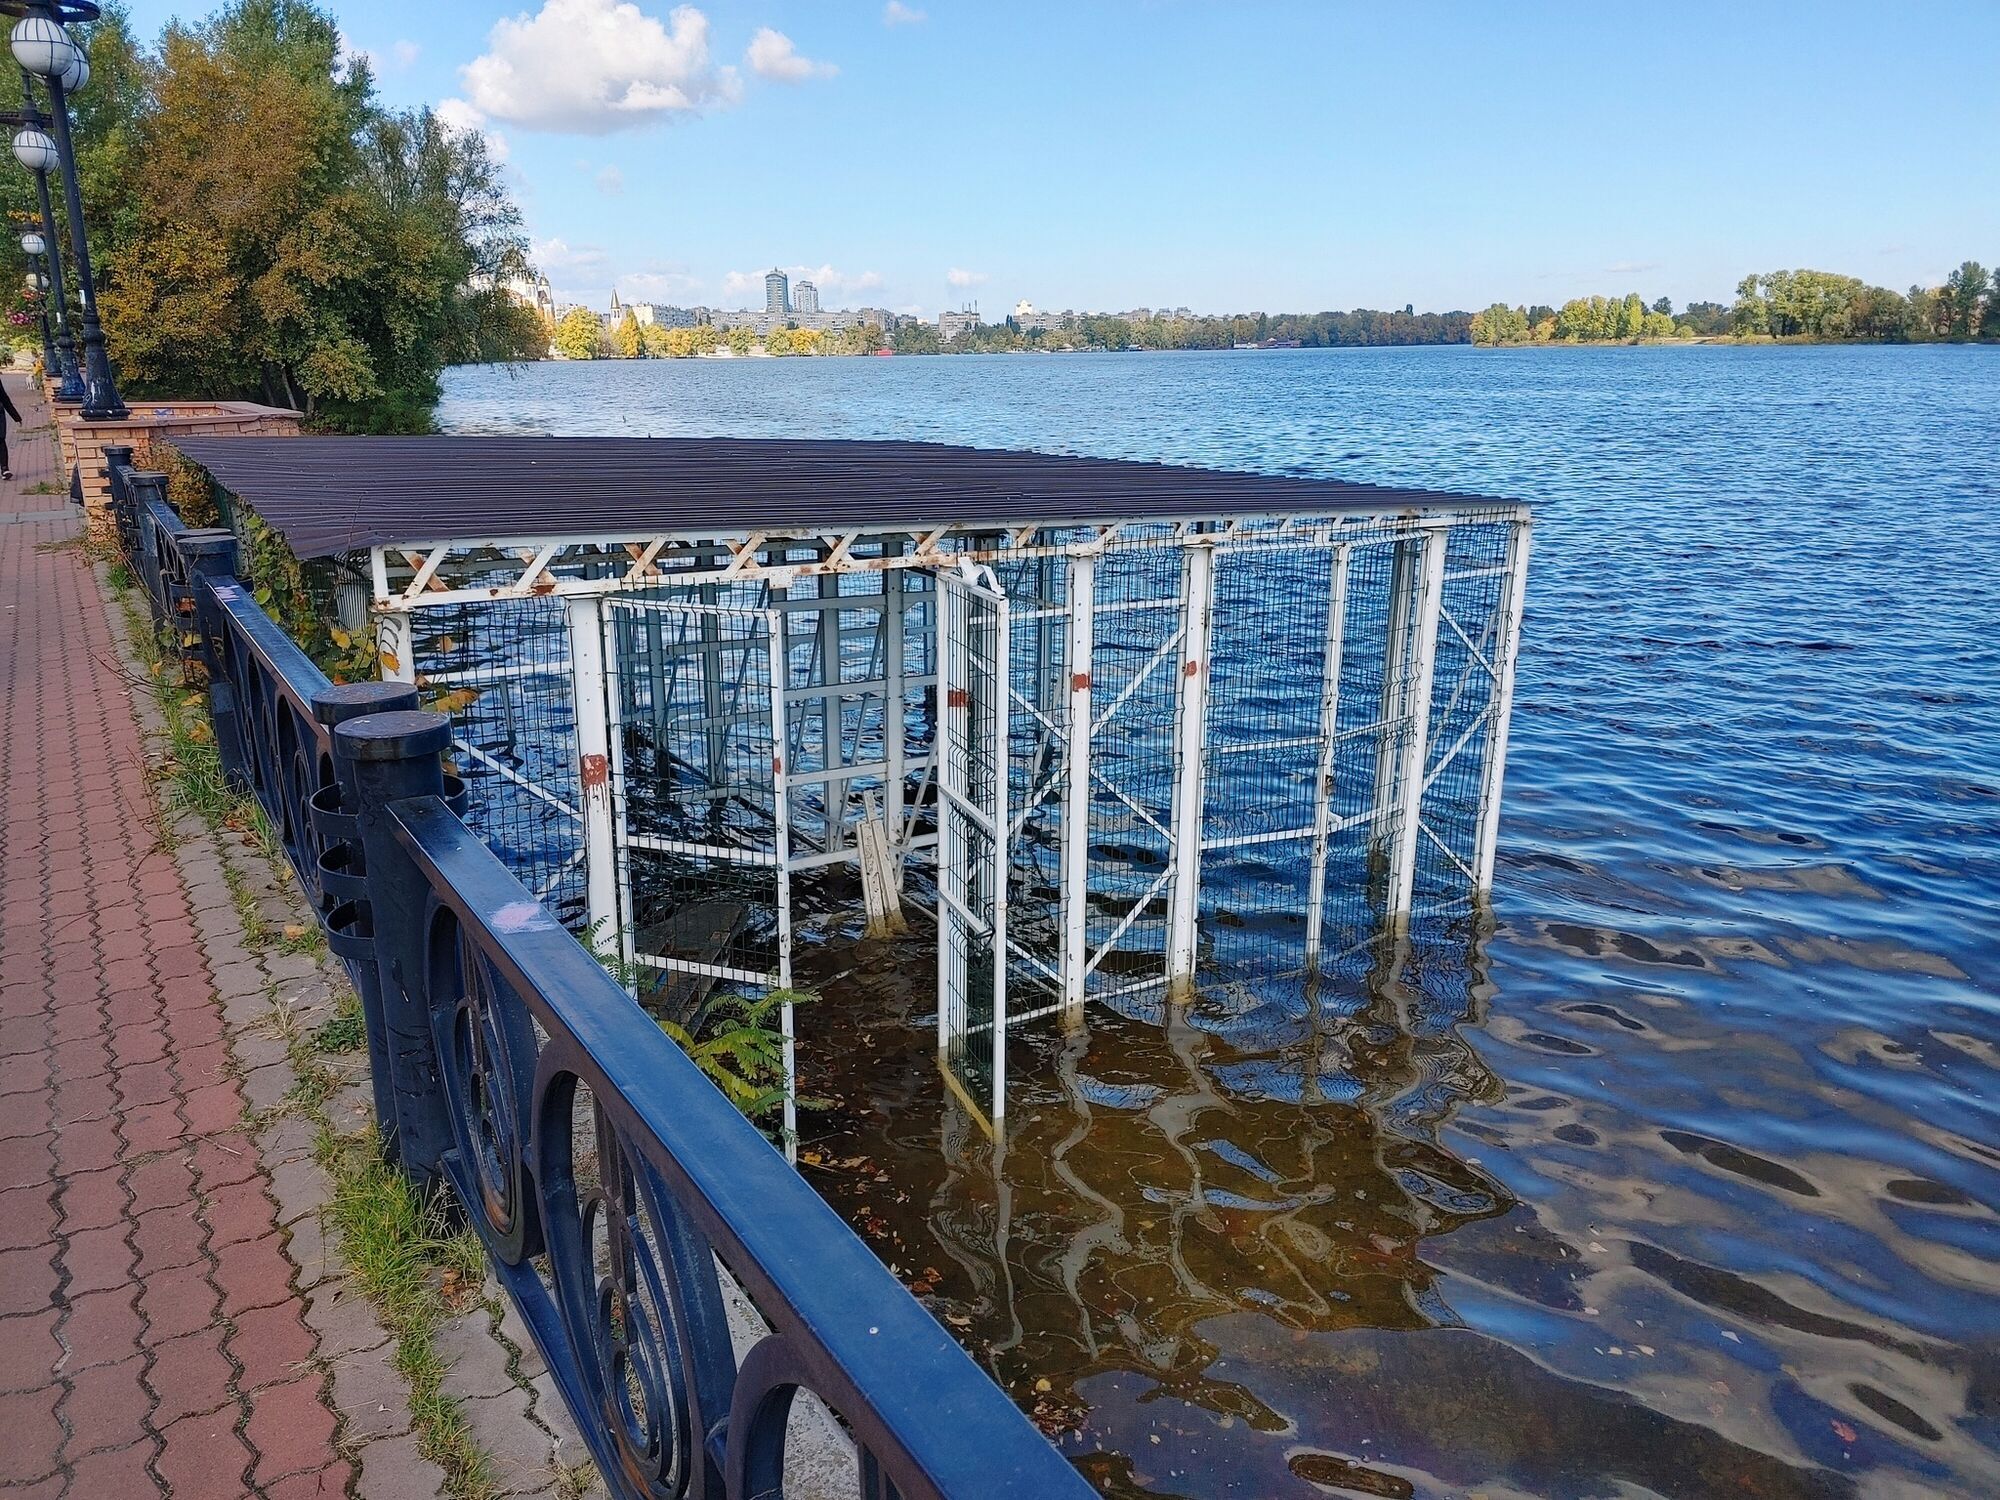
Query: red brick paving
point(150, 1339)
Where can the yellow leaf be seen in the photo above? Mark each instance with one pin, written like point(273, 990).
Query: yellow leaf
point(390, 662)
point(340, 637)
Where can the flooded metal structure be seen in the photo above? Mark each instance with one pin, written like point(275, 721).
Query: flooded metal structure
point(1119, 729)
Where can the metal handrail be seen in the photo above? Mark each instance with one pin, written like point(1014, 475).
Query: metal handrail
point(605, 1175)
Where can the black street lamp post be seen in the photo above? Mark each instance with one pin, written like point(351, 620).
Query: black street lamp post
point(34, 247)
point(36, 151)
point(42, 47)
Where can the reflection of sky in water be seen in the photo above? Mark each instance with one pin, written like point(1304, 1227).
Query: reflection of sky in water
point(1687, 1185)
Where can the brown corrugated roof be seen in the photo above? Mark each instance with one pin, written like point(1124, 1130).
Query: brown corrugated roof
point(339, 494)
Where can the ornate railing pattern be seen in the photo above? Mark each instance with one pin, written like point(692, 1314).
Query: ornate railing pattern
point(605, 1175)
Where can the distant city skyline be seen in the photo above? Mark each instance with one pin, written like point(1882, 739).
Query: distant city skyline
point(1287, 156)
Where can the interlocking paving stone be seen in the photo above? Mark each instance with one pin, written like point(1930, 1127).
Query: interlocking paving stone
point(173, 1318)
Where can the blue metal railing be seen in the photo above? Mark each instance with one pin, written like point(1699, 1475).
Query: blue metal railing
point(604, 1174)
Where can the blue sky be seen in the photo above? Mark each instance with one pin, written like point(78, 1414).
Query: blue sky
point(1226, 156)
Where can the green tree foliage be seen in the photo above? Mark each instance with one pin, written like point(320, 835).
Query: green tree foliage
point(918, 338)
point(576, 334)
point(628, 340)
point(1965, 293)
point(1501, 324)
point(267, 230)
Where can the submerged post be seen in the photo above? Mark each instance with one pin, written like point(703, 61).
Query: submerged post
point(1081, 593)
point(1414, 742)
point(781, 844)
point(1329, 727)
point(1190, 763)
point(1506, 651)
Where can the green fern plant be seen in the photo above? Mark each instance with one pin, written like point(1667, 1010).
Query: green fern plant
point(736, 1041)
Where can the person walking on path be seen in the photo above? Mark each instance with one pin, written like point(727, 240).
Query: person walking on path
point(7, 411)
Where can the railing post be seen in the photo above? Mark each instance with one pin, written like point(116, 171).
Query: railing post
point(343, 877)
point(145, 488)
point(210, 557)
point(117, 459)
point(387, 757)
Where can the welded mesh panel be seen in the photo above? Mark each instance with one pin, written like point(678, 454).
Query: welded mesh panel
point(1135, 670)
point(838, 639)
point(1371, 730)
point(1263, 747)
point(501, 670)
point(1464, 680)
point(695, 790)
point(1037, 590)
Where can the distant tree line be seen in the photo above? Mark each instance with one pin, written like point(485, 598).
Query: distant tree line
point(581, 334)
point(1811, 306)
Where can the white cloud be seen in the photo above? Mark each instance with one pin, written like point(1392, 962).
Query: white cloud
point(555, 256)
point(1630, 267)
point(462, 116)
point(590, 67)
point(657, 286)
point(772, 55)
point(610, 181)
point(829, 279)
point(959, 276)
point(401, 54)
point(895, 13)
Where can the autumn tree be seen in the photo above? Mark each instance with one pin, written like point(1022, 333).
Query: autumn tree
point(283, 237)
point(576, 334)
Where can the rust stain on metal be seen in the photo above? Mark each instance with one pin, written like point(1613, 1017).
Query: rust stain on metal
point(596, 772)
point(1191, 669)
point(777, 765)
point(1078, 681)
point(957, 698)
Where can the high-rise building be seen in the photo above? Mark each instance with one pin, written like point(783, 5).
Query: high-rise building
point(805, 298)
point(777, 292)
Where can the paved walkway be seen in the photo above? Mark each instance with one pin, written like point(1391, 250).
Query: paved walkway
point(174, 1318)
point(151, 1337)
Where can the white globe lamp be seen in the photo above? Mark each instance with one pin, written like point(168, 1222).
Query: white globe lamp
point(34, 150)
point(42, 47)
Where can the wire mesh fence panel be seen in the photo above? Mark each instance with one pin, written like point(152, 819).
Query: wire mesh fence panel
point(972, 806)
point(696, 793)
point(1038, 735)
point(1370, 734)
point(1464, 682)
point(1135, 670)
point(1275, 637)
point(837, 688)
point(501, 670)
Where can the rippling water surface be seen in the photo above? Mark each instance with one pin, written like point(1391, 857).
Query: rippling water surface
point(1682, 1179)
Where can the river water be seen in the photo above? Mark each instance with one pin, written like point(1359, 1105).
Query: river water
point(1685, 1180)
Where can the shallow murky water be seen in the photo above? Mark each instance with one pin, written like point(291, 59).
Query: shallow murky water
point(1682, 1178)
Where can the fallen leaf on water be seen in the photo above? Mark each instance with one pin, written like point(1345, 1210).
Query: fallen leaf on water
point(1846, 1434)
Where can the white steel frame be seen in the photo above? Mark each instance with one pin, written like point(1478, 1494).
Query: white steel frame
point(585, 571)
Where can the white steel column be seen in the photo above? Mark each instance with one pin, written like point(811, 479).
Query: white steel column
point(1082, 596)
point(952, 876)
point(1003, 667)
point(781, 818)
point(588, 687)
point(894, 710)
point(1506, 650)
point(1395, 693)
point(1329, 726)
point(1190, 762)
point(1415, 744)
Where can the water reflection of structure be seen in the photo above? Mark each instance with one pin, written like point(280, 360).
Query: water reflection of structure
point(1257, 1150)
